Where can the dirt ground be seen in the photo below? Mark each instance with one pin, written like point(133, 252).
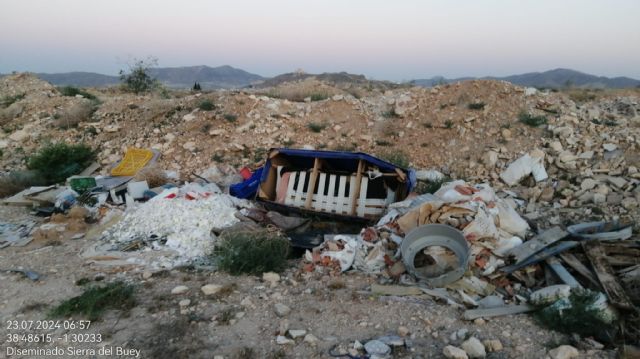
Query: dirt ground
point(242, 322)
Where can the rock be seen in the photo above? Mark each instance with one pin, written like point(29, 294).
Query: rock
point(217, 132)
point(506, 133)
point(547, 194)
point(78, 212)
point(587, 155)
point(599, 198)
point(376, 347)
point(618, 182)
point(556, 146)
point(184, 303)
point(189, 146)
point(609, 147)
point(210, 289)
point(452, 352)
point(588, 184)
point(490, 158)
point(493, 345)
point(564, 352)
point(296, 333)
point(188, 117)
point(614, 198)
point(310, 339)
point(282, 340)
point(19, 136)
point(550, 294)
point(523, 167)
point(181, 289)
point(403, 331)
point(271, 277)
point(474, 348)
point(281, 310)
point(629, 203)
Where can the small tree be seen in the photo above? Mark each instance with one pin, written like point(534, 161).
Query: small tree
point(196, 87)
point(137, 79)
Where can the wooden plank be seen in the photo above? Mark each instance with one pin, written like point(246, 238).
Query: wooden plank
point(320, 198)
point(312, 183)
point(536, 244)
point(574, 263)
point(354, 193)
point(342, 189)
point(331, 194)
point(289, 199)
point(300, 189)
point(348, 201)
point(562, 272)
point(616, 294)
point(496, 312)
point(362, 197)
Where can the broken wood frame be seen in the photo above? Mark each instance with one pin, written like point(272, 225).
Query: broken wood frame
point(322, 189)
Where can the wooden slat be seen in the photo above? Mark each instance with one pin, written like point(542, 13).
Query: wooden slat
point(330, 195)
point(536, 244)
point(320, 197)
point(574, 263)
point(391, 196)
point(347, 204)
point(616, 294)
point(312, 183)
point(289, 199)
point(300, 189)
point(355, 193)
point(342, 189)
point(362, 197)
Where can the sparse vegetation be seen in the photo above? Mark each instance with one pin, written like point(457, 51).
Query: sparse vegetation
point(95, 300)
point(610, 123)
point(230, 117)
point(15, 182)
point(531, 120)
point(196, 87)
point(390, 113)
point(137, 79)
point(252, 252)
point(397, 157)
point(383, 143)
point(8, 100)
point(448, 124)
point(74, 91)
point(206, 105)
point(319, 96)
point(316, 126)
point(154, 175)
point(57, 161)
point(476, 106)
point(75, 114)
point(427, 125)
point(430, 186)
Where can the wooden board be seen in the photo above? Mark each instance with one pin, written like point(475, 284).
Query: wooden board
point(597, 256)
point(574, 263)
point(536, 244)
point(496, 312)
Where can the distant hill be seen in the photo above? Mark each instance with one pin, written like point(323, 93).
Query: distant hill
point(549, 79)
point(175, 77)
point(335, 78)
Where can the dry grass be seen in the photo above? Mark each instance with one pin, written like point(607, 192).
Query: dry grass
point(78, 112)
point(17, 181)
point(154, 176)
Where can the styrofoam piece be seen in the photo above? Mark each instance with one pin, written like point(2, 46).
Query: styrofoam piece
point(136, 189)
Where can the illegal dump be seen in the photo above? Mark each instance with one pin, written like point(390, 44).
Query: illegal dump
point(524, 249)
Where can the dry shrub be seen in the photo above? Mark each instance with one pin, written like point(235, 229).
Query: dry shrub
point(9, 113)
point(78, 112)
point(154, 176)
point(17, 181)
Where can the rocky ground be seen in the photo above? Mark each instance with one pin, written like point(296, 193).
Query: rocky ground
point(469, 130)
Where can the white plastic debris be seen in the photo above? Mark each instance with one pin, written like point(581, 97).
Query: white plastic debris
point(524, 166)
point(510, 220)
point(347, 255)
point(429, 175)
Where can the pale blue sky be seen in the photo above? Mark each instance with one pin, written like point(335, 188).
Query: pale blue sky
point(394, 40)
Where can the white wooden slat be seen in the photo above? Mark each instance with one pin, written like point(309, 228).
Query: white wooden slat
point(330, 199)
point(289, 199)
point(391, 196)
point(364, 183)
point(352, 186)
point(278, 179)
point(342, 188)
point(300, 190)
point(319, 198)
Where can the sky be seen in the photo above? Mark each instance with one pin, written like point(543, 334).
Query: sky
point(382, 39)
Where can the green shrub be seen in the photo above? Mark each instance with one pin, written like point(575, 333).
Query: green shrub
point(252, 252)
point(57, 161)
point(448, 124)
point(95, 300)
point(319, 96)
point(317, 127)
point(531, 120)
point(73, 91)
point(397, 157)
point(137, 79)
point(383, 143)
point(430, 186)
point(6, 101)
point(230, 117)
point(390, 113)
point(476, 106)
point(206, 105)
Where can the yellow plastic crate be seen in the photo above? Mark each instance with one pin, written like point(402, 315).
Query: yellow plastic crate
point(134, 160)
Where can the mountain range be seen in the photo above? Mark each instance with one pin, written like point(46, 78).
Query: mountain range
point(230, 77)
point(557, 78)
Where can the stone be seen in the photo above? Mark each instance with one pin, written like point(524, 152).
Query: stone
point(184, 303)
point(474, 348)
point(19, 136)
point(452, 352)
point(587, 155)
point(490, 158)
point(618, 182)
point(609, 147)
point(403, 331)
point(563, 131)
point(271, 277)
point(281, 310)
point(297, 333)
point(462, 333)
point(189, 146)
point(181, 289)
point(188, 117)
point(506, 133)
point(550, 294)
point(282, 340)
point(376, 347)
point(629, 203)
point(310, 339)
point(564, 352)
point(547, 194)
point(556, 146)
point(217, 132)
point(599, 198)
point(210, 289)
point(614, 198)
point(490, 301)
point(588, 184)
point(493, 345)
